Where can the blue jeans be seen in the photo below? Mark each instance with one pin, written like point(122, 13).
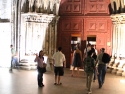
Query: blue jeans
point(40, 76)
point(102, 72)
point(14, 61)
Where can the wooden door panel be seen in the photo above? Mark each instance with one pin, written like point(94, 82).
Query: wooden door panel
point(66, 40)
point(66, 51)
point(100, 41)
point(66, 47)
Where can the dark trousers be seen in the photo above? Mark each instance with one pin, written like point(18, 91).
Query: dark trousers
point(40, 76)
point(94, 75)
point(102, 72)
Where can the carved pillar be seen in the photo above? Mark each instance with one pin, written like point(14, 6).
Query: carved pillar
point(56, 22)
point(53, 37)
point(12, 21)
point(112, 4)
point(122, 6)
point(50, 38)
point(45, 25)
point(118, 42)
point(23, 38)
point(114, 46)
point(47, 40)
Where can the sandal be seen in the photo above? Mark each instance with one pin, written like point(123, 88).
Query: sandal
point(55, 83)
point(59, 83)
point(72, 75)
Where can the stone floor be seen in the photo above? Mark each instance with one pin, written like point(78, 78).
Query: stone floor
point(24, 82)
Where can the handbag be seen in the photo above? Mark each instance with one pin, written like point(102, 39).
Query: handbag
point(44, 68)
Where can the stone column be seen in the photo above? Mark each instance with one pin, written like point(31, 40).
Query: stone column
point(45, 25)
point(56, 22)
point(118, 43)
point(114, 40)
point(23, 38)
point(112, 5)
point(12, 21)
point(49, 40)
point(53, 37)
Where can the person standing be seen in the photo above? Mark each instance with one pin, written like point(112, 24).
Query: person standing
point(13, 58)
point(101, 68)
point(40, 60)
point(89, 67)
point(59, 63)
point(77, 61)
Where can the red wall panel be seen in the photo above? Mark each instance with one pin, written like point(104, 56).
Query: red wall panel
point(71, 25)
point(84, 7)
point(71, 7)
point(96, 6)
point(96, 24)
point(84, 17)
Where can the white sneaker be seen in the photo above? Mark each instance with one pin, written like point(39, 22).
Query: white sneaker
point(89, 92)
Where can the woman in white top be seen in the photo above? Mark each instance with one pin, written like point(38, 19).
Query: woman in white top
point(40, 60)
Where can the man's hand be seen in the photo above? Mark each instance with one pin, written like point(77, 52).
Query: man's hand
point(64, 65)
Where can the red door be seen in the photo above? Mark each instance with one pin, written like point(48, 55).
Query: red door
point(66, 47)
point(101, 41)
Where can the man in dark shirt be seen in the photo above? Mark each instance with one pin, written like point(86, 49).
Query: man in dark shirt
point(101, 68)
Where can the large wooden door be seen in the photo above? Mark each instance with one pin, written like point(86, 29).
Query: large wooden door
point(66, 47)
point(101, 41)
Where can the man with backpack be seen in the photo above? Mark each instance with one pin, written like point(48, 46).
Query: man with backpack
point(102, 59)
point(89, 67)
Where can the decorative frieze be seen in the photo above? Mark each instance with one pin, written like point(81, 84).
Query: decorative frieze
point(118, 18)
point(117, 6)
point(38, 17)
point(46, 4)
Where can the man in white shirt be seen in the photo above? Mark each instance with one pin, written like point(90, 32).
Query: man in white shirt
point(59, 63)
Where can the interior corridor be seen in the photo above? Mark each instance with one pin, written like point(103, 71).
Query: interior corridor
point(24, 82)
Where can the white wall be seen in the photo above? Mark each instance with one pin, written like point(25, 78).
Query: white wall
point(5, 41)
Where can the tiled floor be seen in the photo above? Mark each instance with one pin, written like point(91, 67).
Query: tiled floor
point(24, 82)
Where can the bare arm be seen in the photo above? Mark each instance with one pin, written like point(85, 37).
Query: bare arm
point(53, 61)
point(81, 55)
point(36, 59)
point(64, 63)
point(73, 55)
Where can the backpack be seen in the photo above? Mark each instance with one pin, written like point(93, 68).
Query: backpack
point(88, 66)
point(106, 58)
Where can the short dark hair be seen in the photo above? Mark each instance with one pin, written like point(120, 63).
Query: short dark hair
point(90, 53)
point(102, 49)
point(93, 50)
point(11, 45)
point(59, 48)
point(88, 44)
